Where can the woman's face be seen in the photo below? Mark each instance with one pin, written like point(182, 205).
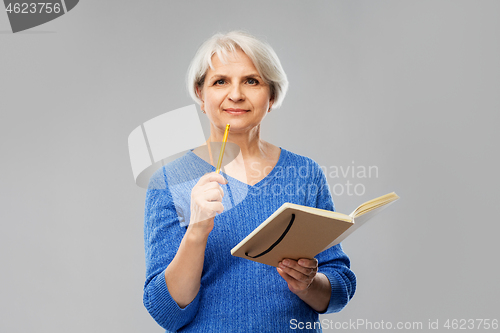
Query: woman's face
point(234, 93)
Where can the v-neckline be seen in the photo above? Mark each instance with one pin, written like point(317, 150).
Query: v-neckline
point(260, 182)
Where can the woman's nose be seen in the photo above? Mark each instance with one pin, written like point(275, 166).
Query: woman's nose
point(236, 94)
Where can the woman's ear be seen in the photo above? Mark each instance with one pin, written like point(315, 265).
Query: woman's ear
point(200, 96)
point(271, 102)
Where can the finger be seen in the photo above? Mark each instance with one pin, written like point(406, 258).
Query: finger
point(301, 276)
point(213, 186)
point(212, 177)
point(308, 263)
point(283, 274)
point(215, 207)
point(293, 264)
point(293, 284)
point(290, 280)
point(213, 195)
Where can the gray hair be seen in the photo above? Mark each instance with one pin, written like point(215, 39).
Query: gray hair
point(262, 55)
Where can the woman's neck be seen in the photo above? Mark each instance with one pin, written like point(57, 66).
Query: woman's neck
point(249, 143)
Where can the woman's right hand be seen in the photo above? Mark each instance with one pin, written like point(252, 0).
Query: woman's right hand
point(206, 201)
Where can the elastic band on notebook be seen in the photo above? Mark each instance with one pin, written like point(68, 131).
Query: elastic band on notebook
point(277, 242)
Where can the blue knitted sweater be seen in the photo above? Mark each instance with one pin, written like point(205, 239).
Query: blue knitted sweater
point(236, 295)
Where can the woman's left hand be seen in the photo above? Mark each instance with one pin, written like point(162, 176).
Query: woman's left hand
point(298, 274)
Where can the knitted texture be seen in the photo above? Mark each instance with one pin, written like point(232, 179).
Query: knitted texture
point(236, 295)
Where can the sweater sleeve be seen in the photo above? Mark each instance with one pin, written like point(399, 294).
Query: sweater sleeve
point(333, 262)
point(162, 237)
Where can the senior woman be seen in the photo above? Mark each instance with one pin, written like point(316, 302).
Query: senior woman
point(193, 283)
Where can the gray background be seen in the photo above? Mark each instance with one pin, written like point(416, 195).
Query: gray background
point(411, 87)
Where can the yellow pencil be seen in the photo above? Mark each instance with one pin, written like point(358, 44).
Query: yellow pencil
point(224, 140)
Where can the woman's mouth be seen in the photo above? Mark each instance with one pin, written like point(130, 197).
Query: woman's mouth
point(235, 111)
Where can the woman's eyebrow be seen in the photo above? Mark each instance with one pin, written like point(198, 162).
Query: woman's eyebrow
point(254, 76)
point(217, 76)
point(221, 76)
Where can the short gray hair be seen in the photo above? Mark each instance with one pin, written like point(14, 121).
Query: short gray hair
point(262, 55)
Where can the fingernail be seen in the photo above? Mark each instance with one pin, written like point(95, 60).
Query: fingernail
point(286, 262)
point(302, 262)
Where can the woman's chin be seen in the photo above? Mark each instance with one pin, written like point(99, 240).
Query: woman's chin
point(238, 126)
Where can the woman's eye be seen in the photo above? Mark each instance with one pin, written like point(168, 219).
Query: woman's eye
point(252, 81)
point(219, 82)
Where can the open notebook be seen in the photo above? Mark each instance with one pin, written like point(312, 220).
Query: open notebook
point(295, 231)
